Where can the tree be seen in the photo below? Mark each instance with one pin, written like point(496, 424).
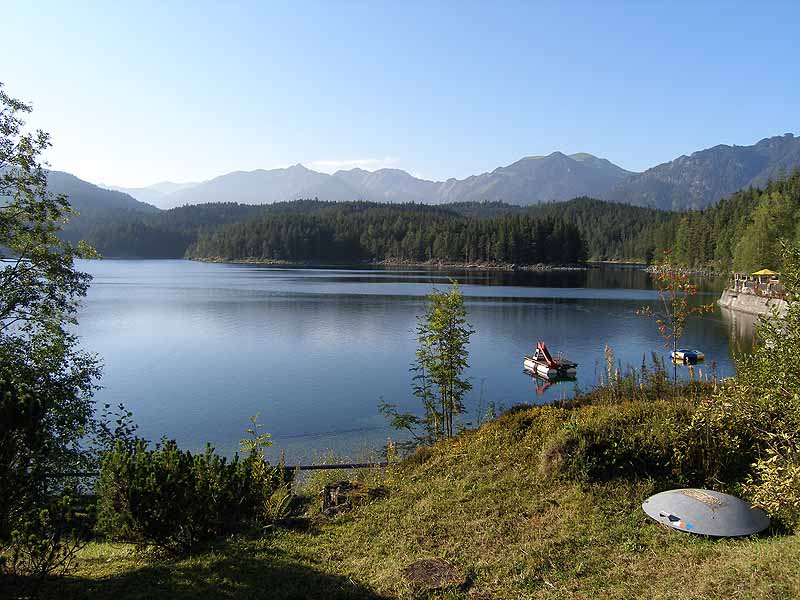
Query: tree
point(46, 383)
point(442, 356)
point(773, 219)
point(675, 288)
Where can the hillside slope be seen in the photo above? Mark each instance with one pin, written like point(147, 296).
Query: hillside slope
point(95, 205)
point(490, 503)
point(701, 179)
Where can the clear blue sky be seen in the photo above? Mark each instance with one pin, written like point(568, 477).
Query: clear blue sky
point(138, 92)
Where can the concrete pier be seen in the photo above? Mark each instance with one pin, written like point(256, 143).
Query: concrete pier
point(752, 304)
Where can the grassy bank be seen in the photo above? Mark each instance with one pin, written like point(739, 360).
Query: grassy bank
point(543, 502)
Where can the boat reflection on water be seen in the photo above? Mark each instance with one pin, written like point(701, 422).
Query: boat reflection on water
point(544, 383)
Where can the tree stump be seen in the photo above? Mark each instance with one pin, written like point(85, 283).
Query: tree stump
point(343, 496)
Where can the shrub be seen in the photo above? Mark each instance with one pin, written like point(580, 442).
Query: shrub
point(757, 416)
point(45, 543)
point(173, 499)
point(774, 484)
point(633, 439)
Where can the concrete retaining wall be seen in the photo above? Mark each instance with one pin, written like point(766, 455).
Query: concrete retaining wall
point(751, 304)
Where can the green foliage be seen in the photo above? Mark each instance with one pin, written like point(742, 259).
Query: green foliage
point(39, 286)
point(442, 338)
point(742, 232)
point(356, 231)
point(165, 234)
point(610, 231)
point(255, 444)
point(675, 290)
point(629, 439)
point(45, 543)
point(173, 499)
point(46, 383)
point(757, 415)
point(271, 485)
point(278, 505)
point(774, 218)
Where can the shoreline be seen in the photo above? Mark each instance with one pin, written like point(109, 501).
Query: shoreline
point(695, 271)
point(432, 264)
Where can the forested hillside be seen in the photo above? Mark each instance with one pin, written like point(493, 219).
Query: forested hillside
point(742, 232)
point(701, 179)
point(164, 234)
point(357, 231)
point(610, 231)
point(94, 206)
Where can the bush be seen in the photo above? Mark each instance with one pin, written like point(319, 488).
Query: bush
point(775, 485)
point(173, 499)
point(45, 543)
point(757, 416)
point(632, 439)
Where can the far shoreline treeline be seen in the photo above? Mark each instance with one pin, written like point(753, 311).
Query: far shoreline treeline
point(740, 232)
point(366, 232)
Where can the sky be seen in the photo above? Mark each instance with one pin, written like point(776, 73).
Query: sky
point(139, 92)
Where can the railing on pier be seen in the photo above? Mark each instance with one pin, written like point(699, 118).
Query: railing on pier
point(749, 284)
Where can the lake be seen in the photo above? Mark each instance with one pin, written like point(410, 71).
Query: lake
point(194, 349)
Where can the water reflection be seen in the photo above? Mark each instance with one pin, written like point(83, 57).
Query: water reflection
point(194, 349)
point(742, 329)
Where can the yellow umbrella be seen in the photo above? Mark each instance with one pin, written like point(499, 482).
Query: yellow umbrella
point(764, 272)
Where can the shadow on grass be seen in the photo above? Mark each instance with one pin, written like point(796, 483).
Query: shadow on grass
point(241, 572)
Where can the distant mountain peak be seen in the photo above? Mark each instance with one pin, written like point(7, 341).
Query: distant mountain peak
point(693, 181)
point(706, 176)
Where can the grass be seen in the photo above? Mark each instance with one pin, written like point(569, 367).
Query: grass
point(483, 502)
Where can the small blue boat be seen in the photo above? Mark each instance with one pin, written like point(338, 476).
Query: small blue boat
point(687, 357)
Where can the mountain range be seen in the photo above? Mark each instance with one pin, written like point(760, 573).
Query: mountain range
point(152, 194)
point(688, 182)
point(87, 198)
point(703, 178)
point(530, 180)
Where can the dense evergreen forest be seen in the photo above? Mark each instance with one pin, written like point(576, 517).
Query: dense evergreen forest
point(610, 231)
point(741, 232)
point(165, 234)
point(357, 231)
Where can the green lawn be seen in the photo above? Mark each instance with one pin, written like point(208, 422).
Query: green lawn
point(481, 502)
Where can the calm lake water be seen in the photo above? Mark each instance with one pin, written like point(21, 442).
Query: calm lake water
point(194, 349)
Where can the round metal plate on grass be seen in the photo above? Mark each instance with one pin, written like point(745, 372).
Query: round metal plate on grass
point(705, 512)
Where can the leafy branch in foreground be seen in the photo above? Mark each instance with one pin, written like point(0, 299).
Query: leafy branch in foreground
point(46, 383)
point(47, 420)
